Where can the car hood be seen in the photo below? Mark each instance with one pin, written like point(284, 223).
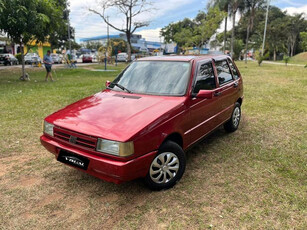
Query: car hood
point(115, 115)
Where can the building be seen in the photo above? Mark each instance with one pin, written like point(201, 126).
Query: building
point(6, 46)
point(137, 41)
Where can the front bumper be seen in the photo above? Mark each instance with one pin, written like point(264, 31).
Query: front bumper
point(103, 168)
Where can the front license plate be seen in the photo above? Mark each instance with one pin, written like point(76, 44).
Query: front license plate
point(73, 159)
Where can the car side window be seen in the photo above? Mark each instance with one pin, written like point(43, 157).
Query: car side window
point(223, 72)
point(205, 79)
point(234, 70)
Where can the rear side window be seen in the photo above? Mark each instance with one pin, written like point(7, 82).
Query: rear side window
point(205, 78)
point(234, 70)
point(223, 72)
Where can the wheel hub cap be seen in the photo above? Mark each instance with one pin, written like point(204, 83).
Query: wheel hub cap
point(164, 167)
point(236, 116)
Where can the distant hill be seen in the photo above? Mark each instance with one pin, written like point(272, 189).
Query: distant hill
point(300, 58)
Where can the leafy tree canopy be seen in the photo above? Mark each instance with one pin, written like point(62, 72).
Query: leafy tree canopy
point(196, 32)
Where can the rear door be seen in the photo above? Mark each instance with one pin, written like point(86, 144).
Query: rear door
point(227, 89)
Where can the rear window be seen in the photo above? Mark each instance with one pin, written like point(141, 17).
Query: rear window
point(223, 72)
point(234, 70)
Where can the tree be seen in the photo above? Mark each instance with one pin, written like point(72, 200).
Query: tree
point(205, 27)
point(175, 32)
point(276, 35)
point(296, 24)
point(130, 9)
point(26, 21)
point(303, 36)
point(235, 6)
point(196, 32)
point(59, 32)
point(250, 7)
point(224, 6)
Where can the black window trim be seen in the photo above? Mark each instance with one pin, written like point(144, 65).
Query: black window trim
point(234, 66)
point(232, 78)
point(206, 61)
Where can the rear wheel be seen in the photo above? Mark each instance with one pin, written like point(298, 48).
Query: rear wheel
point(167, 167)
point(233, 124)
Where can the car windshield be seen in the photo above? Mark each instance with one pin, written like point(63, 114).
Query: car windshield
point(169, 78)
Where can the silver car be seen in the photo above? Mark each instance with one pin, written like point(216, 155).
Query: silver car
point(32, 58)
point(56, 58)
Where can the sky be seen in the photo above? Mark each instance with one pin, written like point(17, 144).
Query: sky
point(87, 24)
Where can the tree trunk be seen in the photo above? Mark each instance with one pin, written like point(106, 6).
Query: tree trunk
point(292, 48)
point(233, 32)
point(128, 46)
point(22, 60)
point(274, 55)
point(225, 32)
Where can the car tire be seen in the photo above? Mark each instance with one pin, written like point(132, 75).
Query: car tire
point(167, 167)
point(233, 123)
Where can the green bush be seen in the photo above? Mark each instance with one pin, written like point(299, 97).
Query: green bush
point(260, 57)
point(286, 59)
point(18, 56)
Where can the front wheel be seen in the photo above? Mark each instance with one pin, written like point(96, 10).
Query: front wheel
point(167, 167)
point(233, 124)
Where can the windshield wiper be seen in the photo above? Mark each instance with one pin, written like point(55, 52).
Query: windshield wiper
point(122, 87)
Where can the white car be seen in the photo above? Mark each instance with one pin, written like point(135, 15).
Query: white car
point(122, 57)
point(31, 58)
point(56, 58)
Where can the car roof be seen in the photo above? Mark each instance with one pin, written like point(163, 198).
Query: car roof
point(183, 57)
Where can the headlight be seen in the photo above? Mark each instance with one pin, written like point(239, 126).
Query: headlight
point(115, 147)
point(48, 128)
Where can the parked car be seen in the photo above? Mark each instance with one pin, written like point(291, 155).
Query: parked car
point(122, 57)
point(8, 59)
point(56, 58)
point(141, 125)
point(87, 58)
point(32, 58)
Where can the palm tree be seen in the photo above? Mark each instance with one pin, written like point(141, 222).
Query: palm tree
point(234, 7)
point(250, 8)
point(223, 5)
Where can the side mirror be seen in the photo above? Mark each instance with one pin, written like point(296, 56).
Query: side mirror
point(107, 84)
point(205, 94)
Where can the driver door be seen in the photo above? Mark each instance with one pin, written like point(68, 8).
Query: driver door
point(203, 112)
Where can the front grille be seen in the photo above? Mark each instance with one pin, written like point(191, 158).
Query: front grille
point(75, 138)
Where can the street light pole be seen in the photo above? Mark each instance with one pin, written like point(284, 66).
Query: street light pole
point(107, 46)
point(69, 41)
point(265, 26)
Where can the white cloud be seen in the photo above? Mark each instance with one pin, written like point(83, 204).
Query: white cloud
point(151, 34)
point(87, 24)
point(296, 10)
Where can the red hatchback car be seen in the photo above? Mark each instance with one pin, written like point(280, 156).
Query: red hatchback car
point(87, 58)
point(147, 117)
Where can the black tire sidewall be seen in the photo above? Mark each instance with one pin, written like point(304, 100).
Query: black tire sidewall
point(237, 105)
point(168, 146)
point(229, 126)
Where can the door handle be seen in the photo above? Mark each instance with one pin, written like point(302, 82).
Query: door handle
point(235, 85)
point(216, 94)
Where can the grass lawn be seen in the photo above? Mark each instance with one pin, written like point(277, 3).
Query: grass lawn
point(255, 178)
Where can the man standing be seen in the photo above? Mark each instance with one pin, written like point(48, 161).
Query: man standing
point(48, 65)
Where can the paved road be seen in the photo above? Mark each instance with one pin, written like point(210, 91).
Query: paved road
point(280, 63)
point(53, 66)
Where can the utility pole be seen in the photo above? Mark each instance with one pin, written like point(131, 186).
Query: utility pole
point(68, 30)
point(107, 46)
point(265, 26)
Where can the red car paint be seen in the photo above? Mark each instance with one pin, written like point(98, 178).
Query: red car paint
point(147, 120)
point(87, 58)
